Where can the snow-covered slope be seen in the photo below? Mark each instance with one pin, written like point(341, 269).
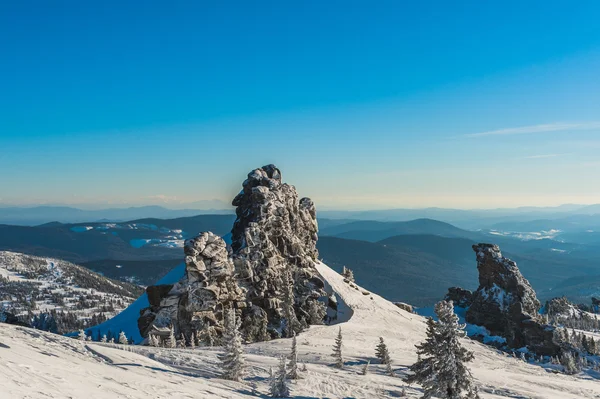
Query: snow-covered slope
point(30, 285)
point(36, 364)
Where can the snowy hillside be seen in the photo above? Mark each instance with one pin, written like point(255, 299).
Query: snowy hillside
point(74, 296)
point(34, 364)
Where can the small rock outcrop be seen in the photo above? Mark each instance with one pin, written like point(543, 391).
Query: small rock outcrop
point(506, 304)
point(274, 244)
point(197, 302)
point(269, 277)
point(461, 297)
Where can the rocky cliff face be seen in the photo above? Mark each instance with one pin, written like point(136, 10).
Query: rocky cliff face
point(269, 277)
point(506, 304)
point(274, 242)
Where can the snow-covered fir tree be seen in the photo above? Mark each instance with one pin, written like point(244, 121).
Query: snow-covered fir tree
point(316, 312)
point(171, 341)
point(278, 384)
point(348, 274)
point(181, 342)
point(293, 364)
point(365, 369)
point(382, 353)
point(232, 360)
point(337, 351)
point(441, 369)
point(103, 339)
point(81, 336)
point(123, 338)
point(292, 325)
point(568, 362)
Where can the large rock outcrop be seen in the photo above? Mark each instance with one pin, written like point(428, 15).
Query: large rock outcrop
point(274, 241)
point(269, 277)
point(197, 302)
point(506, 304)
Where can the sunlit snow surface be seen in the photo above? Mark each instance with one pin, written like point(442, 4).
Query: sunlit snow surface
point(35, 365)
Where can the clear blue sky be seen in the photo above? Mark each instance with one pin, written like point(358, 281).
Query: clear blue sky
point(361, 104)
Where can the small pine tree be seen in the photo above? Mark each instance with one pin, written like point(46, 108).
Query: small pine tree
point(263, 330)
point(171, 341)
point(278, 387)
point(81, 336)
point(388, 368)
point(103, 339)
point(181, 342)
point(348, 274)
point(382, 353)
point(365, 369)
point(233, 359)
point(568, 362)
point(293, 364)
point(337, 351)
point(441, 369)
point(292, 325)
point(316, 312)
point(123, 339)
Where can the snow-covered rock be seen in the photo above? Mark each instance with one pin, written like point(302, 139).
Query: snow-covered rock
point(506, 304)
point(197, 301)
point(274, 247)
point(275, 235)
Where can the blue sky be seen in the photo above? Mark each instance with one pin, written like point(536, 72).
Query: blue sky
point(361, 104)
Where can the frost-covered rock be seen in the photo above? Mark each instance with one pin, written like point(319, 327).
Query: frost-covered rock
point(274, 238)
point(197, 301)
point(269, 278)
point(506, 304)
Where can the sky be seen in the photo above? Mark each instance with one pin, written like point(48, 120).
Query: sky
point(362, 105)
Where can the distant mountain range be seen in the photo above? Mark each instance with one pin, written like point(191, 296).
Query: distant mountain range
point(33, 216)
point(414, 261)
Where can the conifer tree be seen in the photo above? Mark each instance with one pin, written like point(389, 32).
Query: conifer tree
point(293, 364)
point(337, 351)
point(81, 336)
point(316, 311)
point(232, 360)
point(278, 386)
point(382, 353)
point(123, 338)
point(568, 362)
point(348, 274)
point(292, 325)
point(171, 341)
point(103, 339)
point(441, 369)
point(365, 369)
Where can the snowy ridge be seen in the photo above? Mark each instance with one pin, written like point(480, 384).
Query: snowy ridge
point(37, 363)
